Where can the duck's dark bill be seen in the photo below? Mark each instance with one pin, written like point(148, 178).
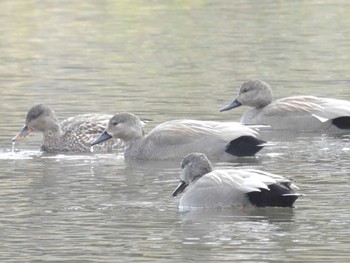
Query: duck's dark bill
point(103, 137)
point(23, 133)
point(233, 104)
point(180, 188)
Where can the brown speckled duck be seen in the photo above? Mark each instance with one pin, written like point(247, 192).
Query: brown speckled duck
point(74, 134)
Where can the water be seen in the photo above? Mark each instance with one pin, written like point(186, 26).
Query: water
point(164, 60)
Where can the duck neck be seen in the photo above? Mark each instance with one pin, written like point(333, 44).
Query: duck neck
point(133, 137)
point(202, 170)
point(53, 133)
point(264, 99)
point(133, 148)
point(130, 142)
point(262, 103)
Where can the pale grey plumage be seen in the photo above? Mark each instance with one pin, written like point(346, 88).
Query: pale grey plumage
point(208, 188)
point(296, 113)
point(174, 139)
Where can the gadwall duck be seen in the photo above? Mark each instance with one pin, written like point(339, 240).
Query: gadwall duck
point(208, 188)
point(172, 140)
point(297, 113)
point(74, 134)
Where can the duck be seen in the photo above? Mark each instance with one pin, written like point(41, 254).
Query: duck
point(205, 187)
point(74, 134)
point(295, 113)
point(172, 140)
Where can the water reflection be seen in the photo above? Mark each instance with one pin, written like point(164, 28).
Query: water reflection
point(262, 229)
point(237, 215)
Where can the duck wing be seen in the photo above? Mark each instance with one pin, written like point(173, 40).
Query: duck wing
point(238, 187)
point(180, 132)
point(227, 187)
point(322, 108)
point(218, 188)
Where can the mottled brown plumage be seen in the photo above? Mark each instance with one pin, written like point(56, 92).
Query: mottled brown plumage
point(74, 134)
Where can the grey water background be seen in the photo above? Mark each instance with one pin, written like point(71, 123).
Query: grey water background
point(165, 60)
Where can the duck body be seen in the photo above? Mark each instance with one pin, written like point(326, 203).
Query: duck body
point(74, 134)
point(172, 140)
point(208, 188)
point(77, 134)
point(296, 113)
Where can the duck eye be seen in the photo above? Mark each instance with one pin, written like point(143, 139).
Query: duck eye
point(115, 123)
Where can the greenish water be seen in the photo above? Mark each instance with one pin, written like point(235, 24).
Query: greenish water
point(164, 60)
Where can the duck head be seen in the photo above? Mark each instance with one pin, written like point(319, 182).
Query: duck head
point(253, 93)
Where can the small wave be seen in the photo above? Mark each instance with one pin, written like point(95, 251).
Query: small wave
point(18, 155)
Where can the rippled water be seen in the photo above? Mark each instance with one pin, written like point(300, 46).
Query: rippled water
point(165, 60)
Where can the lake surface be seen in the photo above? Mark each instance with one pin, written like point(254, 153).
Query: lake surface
point(165, 60)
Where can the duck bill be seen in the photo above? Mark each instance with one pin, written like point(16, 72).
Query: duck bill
point(232, 105)
point(180, 188)
point(103, 137)
point(23, 133)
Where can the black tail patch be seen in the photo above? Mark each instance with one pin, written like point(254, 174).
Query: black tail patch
point(342, 122)
point(279, 195)
point(244, 146)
